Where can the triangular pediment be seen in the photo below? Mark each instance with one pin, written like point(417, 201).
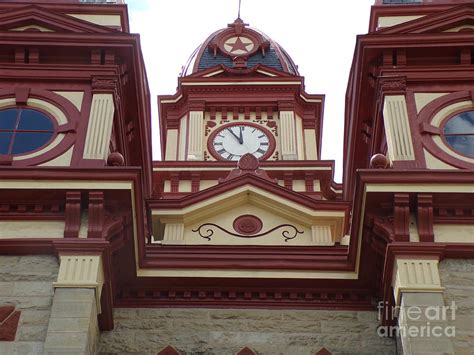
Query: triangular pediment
point(249, 202)
point(35, 18)
point(257, 71)
point(457, 19)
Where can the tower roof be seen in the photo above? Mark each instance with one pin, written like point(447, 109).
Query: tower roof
point(238, 46)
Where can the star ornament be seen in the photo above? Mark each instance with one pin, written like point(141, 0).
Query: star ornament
point(239, 45)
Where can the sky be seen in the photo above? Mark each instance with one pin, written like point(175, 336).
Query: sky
point(318, 35)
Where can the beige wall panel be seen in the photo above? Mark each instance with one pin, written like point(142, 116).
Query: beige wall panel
point(184, 186)
point(196, 136)
point(205, 184)
point(322, 235)
point(102, 19)
point(62, 160)
point(99, 128)
point(299, 185)
point(167, 186)
point(171, 144)
point(75, 97)
point(310, 144)
point(434, 163)
point(31, 229)
point(452, 233)
point(287, 132)
point(389, 21)
point(397, 128)
point(424, 98)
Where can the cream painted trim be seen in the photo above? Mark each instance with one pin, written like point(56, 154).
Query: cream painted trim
point(424, 98)
point(171, 101)
point(287, 134)
point(310, 100)
point(397, 128)
point(311, 148)
point(240, 83)
point(7, 102)
point(459, 28)
point(185, 168)
point(99, 128)
point(74, 97)
point(53, 110)
point(27, 27)
point(400, 187)
point(448, 110)
point(195, 136)
point(100, 19)
point(389, 21)
point(81, 271)
point(213, 73)
point(183, 127)
point(266, 73)
point(274, 274)
point(300, 142)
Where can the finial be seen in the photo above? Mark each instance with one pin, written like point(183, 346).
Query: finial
point(238, 13)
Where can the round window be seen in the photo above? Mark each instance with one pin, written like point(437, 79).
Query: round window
point(23, 130)
point(459, 133)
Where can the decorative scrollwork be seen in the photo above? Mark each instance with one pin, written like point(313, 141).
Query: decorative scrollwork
point(206, 231)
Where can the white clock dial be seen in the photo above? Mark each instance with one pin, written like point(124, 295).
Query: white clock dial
point(233, 141)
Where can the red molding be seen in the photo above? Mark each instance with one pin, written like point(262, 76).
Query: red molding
point(72, 214)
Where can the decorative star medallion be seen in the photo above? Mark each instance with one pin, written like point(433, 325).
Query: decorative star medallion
point(239, 45)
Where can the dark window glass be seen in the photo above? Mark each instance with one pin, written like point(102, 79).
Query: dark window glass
point(5, 140)
point(34, 120)
point(459, 133)
point(8, 118)
point(24, 130)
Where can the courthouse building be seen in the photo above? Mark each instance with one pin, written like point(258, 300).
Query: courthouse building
point(238, 240)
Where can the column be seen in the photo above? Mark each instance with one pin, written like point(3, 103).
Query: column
point(73, 326)
point(424, 319)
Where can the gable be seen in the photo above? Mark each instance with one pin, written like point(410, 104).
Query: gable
point(35, 18)
point(453, 20)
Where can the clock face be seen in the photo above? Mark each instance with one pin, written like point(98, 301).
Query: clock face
point(232, 141)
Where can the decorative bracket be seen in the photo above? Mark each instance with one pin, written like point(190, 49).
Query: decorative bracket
point(401, 217)
point(425, 217)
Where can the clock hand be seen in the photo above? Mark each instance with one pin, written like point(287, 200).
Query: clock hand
point(236, 137)
point(241, 139)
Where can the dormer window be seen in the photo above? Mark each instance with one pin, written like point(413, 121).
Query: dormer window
point(458, 132)
point(24, 130)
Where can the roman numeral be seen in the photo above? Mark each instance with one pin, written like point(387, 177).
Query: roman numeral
point(217, 143)
point(221, 135)
point(230, 157)
point(221, 151)
point(254, 130)
point(264, 143)
point(262, 136)
point(261, 151)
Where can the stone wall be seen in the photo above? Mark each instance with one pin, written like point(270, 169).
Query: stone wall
point(26, 283)
point(222, 332)
point(457, 276)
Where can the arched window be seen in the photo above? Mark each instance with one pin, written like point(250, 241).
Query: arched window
point(24, 130)
point(458, 131)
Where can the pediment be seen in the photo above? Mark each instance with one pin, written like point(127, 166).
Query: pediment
point(249, 213)
point(457, 19)
point(35, 18)
point(257, 71)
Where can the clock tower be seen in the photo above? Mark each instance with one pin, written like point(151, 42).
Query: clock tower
point(241, 148)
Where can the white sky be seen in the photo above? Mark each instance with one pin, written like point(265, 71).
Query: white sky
point(319, 36)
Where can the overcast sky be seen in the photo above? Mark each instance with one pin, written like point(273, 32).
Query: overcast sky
point(319, 36)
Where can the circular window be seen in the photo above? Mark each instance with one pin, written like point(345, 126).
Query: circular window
point(23, 130)
point(459, 133)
